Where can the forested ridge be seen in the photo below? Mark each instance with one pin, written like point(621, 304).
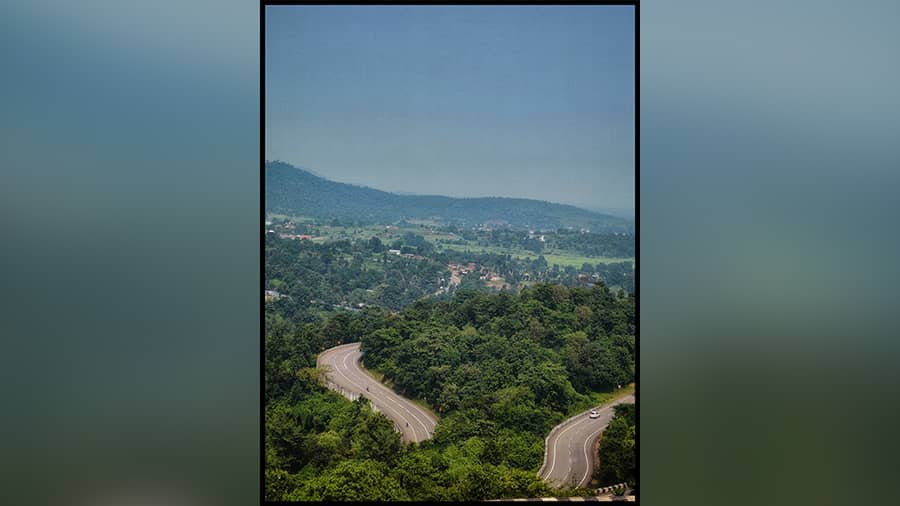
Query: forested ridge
point(500, 369)
point(292, 190)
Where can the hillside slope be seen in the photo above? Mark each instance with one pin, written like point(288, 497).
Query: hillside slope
point(290, 190)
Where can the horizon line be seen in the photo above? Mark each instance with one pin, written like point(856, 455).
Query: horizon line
point(402, 193)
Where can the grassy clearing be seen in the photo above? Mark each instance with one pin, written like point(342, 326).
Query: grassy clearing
point(330, 233)
point(295, 219)
point(426, 222)
point(560, 258)
point(563, 259)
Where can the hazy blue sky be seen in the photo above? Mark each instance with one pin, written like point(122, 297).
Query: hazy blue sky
point(517, 101)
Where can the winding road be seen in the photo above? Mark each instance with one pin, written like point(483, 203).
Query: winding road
point(569, 455)
point(344, 374)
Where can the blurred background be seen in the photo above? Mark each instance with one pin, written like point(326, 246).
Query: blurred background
point(130, 225)
point(768, 246)
point(130, 213)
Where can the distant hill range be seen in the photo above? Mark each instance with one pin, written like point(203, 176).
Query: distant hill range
point(294, 191)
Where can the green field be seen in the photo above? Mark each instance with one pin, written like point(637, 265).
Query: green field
point(330, 233)
point(298, 219)
point(560, 258)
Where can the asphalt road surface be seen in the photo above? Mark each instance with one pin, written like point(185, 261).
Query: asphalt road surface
point(345, 375)
point(570, 456)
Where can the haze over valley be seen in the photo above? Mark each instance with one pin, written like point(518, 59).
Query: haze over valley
point(295, 191)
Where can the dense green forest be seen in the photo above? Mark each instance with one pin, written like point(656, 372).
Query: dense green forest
point(556, 341)
point(460, 311)
point(316, 279)
point(617, 451)
point(291, 190)
point(500, 369)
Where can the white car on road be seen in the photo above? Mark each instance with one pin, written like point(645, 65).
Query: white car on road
point(594, 414)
